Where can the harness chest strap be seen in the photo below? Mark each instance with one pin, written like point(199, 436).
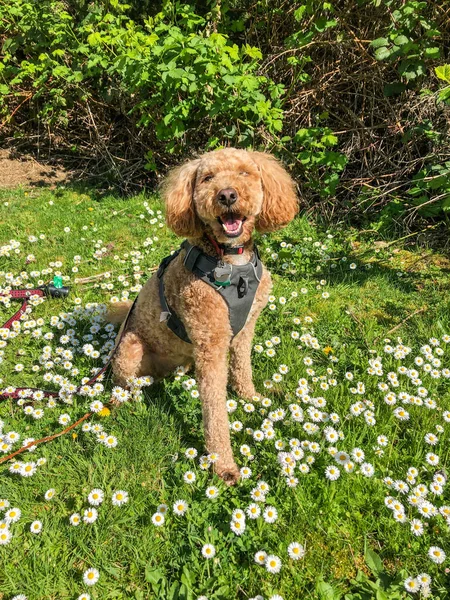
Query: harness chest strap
point(239, 293)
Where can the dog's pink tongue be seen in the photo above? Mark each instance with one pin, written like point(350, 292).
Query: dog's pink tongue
point(231, 224)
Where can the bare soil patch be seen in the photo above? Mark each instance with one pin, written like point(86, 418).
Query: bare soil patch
point(27, 171)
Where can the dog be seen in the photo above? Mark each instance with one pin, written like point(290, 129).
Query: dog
point(182, 315)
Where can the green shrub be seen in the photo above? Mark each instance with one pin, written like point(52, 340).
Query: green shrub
point(349, 95)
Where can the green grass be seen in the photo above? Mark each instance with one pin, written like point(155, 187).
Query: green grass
point(341, 523)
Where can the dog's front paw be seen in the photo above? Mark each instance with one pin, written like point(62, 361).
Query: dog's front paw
point(228, 471)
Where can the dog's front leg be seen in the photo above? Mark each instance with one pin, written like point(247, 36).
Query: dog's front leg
point(240, 368)
point(211, 372)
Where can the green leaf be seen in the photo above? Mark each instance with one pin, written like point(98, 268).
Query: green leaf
point(298, 14)
point(326, 591)
point(401, 40)
point(94, 39)
point(187, 578)
point(379, 42)
point(432, 52)
point(329, 139)
point(374, 562)
point(153, 575)
point(444, 94)
point(252, 51)
point(382, 53)
point(443, 72)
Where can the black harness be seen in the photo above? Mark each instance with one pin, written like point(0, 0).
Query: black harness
point(237, 284)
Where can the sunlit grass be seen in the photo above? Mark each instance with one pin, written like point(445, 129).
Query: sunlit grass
point(336, 297)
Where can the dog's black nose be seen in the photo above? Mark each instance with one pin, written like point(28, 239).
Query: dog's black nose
point(227, 197)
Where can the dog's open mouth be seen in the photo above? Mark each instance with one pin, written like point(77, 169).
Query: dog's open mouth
point(232, 224)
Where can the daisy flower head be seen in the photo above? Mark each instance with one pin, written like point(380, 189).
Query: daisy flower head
point(110, 441)
point(191, 453)
point(84, 596)
point(424, 579)
point(253, 511)
point(263, 487)
point(296, 551)
point(273, 564)
point(416, 527)
point(49, 494)
point(95, 498)
point(90, 515)
point(28, 469)
point(36, 527)
point(212, 492)
point(63, 419)
point(342, 457)
point(367, 469)
point(358, 455)
point(260, 557)
point(158, 519)
point(332, 473)
point(270, 514)
point(75, 519)
point(246, 472)
point(13, 515)
point(91, 576)
point(120, 497)
point(238, 515)
point(208, 551)
point(412, 585)
point(189, 477)
point(5, 537)
point(432, 459)
point(436, 554)
point(180, 507)
point(237, 527)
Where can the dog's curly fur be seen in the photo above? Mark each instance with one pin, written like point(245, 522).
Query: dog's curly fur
point(266, 200)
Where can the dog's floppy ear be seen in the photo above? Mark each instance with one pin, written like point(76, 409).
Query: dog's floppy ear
point(280, 203)
point(177, 191)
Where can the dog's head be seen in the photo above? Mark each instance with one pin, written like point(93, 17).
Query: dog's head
point(228, 193)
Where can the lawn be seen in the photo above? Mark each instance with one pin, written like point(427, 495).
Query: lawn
point(345, 458)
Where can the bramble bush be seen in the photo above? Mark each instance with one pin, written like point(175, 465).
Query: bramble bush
point(350, 96)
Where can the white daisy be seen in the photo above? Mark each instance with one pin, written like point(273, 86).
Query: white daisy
point(95, 498)
point(296, 551)
point(36, 527)
point(208, 551)
point(91, 576)
point(273, 564)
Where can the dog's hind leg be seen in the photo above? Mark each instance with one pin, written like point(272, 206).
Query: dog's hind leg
point(128, 358)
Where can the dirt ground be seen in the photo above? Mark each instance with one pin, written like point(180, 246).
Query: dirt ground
point(27, 171)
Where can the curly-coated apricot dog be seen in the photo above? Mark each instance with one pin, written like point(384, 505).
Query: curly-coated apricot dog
point(202, 305)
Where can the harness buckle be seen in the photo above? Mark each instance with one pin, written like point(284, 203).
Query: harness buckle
point(164, 316)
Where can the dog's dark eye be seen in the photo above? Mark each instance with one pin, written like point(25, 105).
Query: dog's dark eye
point(208, 178)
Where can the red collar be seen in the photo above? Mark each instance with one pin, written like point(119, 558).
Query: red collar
point(222, 249)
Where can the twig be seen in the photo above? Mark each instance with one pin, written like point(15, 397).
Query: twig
point(9, 117)
point(416, 312)
point(46, 439)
